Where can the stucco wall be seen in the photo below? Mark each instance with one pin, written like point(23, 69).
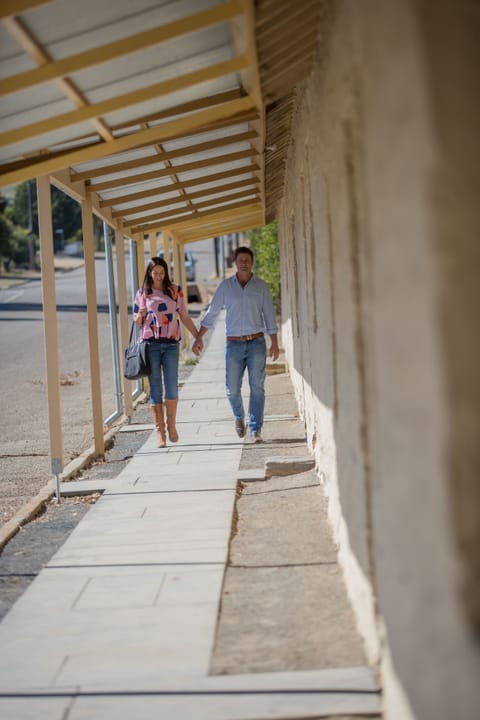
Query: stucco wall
point(373, 267)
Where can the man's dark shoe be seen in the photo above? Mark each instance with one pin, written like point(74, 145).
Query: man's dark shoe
point(256, 437)
point(240, 428)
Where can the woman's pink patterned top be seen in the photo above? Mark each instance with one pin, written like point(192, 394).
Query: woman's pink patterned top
point(161, 320)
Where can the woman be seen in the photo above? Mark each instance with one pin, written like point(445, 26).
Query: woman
point(159, 304)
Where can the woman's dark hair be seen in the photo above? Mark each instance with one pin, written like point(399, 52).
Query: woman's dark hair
point(147, 280)
point(243, 249)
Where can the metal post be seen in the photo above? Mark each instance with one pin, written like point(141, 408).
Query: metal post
point(112, 309)
point(215, 249)
point(222, 254)
point(132, 247)
point(31, 246)
point(123, 315)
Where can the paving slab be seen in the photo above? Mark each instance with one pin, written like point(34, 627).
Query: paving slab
point(121, 622)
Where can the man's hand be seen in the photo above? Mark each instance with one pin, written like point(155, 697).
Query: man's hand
point(197, 346)
point(274, 350)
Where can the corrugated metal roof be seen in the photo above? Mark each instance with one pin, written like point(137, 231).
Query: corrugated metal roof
point(155, 108)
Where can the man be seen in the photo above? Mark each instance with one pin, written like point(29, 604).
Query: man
point(250, 314)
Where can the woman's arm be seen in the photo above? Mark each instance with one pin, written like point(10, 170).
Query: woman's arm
point(139, 303)
point(188, 322)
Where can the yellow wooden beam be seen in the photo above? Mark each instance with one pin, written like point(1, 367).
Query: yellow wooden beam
point(119, 102)
point(52, 362)
point(173, 170)
point(92, 320)
point(244, 36)
point(171, 213)
point(201, 232)
point(159, 133)
point(243, 28)
point(197, 104)
point(112, 169)
point(119, 48)
point(88, 141)
point(8, 8)
point(132, 197)
point(135, 209)
point(192, 219)
point(25, 38)
point(219, 224)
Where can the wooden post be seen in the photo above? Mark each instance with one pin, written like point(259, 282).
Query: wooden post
point(50, 326)
point(95, 380)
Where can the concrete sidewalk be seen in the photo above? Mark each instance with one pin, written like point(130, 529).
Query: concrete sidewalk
point(122, 621)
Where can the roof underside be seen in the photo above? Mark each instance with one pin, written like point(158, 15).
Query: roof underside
point(170, 114)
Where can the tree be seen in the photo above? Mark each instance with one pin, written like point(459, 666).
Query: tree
point(66, 212)
point(265, 246)
point(5, 238)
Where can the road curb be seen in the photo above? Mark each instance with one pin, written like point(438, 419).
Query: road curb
point(32, 508)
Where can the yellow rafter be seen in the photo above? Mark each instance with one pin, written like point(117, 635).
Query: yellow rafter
point(247, 220)
point(198, 206)
point(186, 167)
point(243, 28)
point(121, 101)
point(197, 104)
point(171, 223)
point(205, 179)
point(32, 47)
point(155, 134)
point(9, 8)
point(119, 48)
point(161, 157)
point(135, 209)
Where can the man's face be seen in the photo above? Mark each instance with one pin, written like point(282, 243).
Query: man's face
point(244, 263)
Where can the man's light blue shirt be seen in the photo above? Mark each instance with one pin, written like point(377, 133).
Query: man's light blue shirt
point(249, 309)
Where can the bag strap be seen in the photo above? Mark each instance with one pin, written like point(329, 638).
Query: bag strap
point(133, 322)
point(131, 330)
point(131, 333)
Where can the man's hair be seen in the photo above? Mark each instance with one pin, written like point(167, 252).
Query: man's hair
point(242, 249)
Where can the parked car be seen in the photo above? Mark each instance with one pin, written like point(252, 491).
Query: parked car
point(189, 264)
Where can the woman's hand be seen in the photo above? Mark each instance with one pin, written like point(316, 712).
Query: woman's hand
point(140, 316)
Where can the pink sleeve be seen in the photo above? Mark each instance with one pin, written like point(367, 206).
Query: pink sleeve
point(181, 307)
point(139, 300)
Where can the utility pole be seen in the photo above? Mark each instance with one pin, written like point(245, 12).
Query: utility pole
point(31, 245)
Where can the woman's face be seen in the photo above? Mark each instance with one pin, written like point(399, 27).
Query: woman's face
point(158, 276)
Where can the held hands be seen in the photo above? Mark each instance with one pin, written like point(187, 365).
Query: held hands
point(197, 346)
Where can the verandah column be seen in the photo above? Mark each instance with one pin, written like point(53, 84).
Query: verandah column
point(52, 366)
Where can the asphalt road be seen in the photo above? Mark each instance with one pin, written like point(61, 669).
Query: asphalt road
point(25, 447)
point(24, 454)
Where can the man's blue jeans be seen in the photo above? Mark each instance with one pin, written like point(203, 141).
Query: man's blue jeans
point(250, 355)
point(163, 360)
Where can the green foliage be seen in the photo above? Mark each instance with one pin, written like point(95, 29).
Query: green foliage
point(20, 252)
point(265, 246)
point(6, 231)
point(20, 213)
point(66, 212)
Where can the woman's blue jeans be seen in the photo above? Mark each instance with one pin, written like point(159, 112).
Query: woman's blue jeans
point(163, 370)
point(250, 355)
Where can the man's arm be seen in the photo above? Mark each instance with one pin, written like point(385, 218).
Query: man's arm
point(274, 349)
point(270, 323)
point(209, 318)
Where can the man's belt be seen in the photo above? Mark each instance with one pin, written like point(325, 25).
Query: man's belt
point(244, 338)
